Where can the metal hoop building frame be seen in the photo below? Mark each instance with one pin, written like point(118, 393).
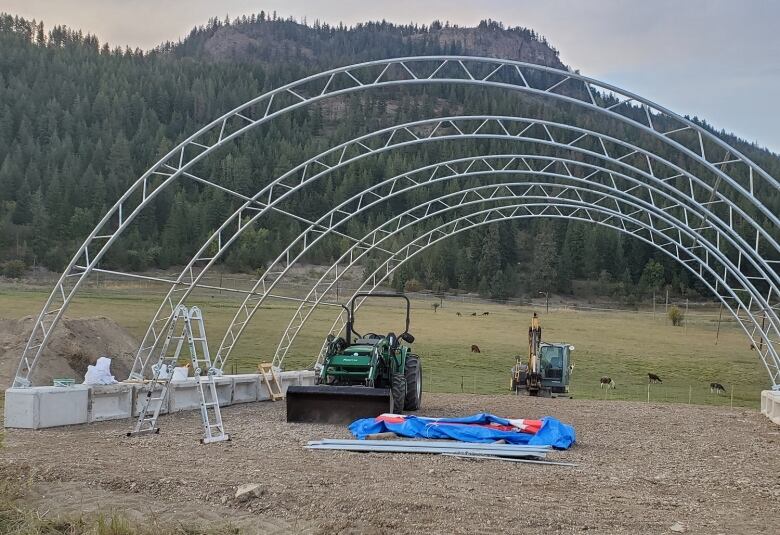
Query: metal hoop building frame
point(531, 79)
point(635, 212)
point(326, 223)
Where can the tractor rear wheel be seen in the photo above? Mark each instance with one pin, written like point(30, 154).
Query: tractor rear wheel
point(414, 381)
point(398, 390)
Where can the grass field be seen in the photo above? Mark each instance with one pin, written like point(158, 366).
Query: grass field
point(624, 345)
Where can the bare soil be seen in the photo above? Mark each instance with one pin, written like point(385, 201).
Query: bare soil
point(74, 344)
point(641, 468)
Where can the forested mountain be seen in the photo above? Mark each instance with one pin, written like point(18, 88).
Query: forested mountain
point(80, 121)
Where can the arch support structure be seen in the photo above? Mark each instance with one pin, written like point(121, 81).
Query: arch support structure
point(541, 199)
point(715, 190)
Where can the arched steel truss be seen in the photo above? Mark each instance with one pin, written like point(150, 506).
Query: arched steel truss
point(663, 231)
point(657, 170)
point(729, 167)
point(493, 215)
point(622, 185)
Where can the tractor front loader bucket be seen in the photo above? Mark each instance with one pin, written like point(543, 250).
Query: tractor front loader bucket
point(336, 404)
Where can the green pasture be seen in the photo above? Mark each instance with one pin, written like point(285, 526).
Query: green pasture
point(624, 345)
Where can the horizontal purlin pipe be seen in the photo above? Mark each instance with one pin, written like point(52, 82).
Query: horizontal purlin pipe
point(465, 449)
point(436, 443)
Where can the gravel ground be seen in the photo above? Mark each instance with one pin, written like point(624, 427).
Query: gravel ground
point(642, 468)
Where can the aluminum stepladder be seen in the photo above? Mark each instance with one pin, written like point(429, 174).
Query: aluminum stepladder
point(194, 334)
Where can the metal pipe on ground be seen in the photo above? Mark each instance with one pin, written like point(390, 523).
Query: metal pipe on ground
point(409, 449)
point(434, 443)
point(494, 458)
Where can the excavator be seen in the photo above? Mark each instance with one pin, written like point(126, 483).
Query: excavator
point(548, 369)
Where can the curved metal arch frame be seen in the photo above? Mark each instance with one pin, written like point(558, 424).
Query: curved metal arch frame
point(771, 362)
point(225, 129)
point(356, 205)
point(158, 324)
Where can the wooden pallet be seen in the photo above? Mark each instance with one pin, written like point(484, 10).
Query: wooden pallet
point(271, 380)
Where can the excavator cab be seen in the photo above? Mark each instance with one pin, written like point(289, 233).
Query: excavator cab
point(554, 365)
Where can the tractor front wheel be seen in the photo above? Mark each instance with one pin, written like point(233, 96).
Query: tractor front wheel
point(413, 383)
point(398, 390)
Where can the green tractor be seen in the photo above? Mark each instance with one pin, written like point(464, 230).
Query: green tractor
point(362, 375)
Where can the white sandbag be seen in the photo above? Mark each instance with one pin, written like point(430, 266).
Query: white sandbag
point(180, 373)
point(100, 373)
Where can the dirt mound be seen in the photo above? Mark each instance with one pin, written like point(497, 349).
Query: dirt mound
point(74, 345)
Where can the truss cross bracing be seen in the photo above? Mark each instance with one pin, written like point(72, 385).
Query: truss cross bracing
point(702, 208)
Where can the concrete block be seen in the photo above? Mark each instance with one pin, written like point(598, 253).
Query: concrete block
point(245, 387)
point(141, 391)
point(110, 402)
point(770, 405)
point(185, 395)
point(307, 377)
point(46, 406)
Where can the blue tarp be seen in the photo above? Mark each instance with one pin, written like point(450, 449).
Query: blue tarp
point(474, 428)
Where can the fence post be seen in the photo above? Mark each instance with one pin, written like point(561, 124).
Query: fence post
point(690, 391)
point(461, 383)
point(648, 392)
point(732, 396)
point(720, 317)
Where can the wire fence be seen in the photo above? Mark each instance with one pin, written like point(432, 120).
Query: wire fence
point(691, 394)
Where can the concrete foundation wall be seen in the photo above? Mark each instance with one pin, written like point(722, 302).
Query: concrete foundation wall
point(140, 392)
point(48, 406)
point(246, 388)
point(185, 395)
point(110, 402)
point(770, 405)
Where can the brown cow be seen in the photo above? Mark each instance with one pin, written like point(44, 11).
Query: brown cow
point(475, 348)
point(607, 382)
point(473, 313)
point(485, 313)
point(653, 378)
point(458, 314)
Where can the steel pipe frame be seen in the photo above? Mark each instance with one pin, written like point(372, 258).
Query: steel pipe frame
point(485, 220)
point(244, 314)
point(224, 129)
point(298, 320)
point(349, 213)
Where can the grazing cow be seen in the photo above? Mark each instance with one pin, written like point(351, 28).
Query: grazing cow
point(458, 314)
point(485, 313)
point(475, 348)
point(653, 378)
point(717, 388)
point(473, 313)
point(607, 382)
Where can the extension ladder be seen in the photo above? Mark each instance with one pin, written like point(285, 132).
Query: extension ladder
point(271, 380)
point(213, 428)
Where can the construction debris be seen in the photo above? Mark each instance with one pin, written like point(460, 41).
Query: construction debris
point(382, 436)
point(477, 428)
point(497, 458)
point(248, 491)
point(428, 446)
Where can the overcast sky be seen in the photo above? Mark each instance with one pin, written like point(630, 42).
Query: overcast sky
point(717, 59)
